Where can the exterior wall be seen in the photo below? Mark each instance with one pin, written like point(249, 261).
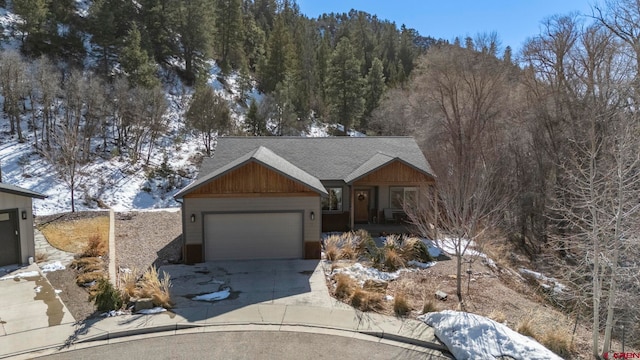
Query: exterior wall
point(252, 178)
point(194, 231)
point(22, 203)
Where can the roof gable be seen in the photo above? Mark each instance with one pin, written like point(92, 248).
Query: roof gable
point(12, 189)
point(266, 158)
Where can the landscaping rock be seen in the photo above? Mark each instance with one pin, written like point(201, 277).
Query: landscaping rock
point(143, 304)
point(441, 295)
point(375, 285)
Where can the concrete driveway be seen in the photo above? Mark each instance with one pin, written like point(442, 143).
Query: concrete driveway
point(28, 301)
point(280, 282)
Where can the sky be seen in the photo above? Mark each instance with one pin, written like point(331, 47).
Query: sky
point(513, 20)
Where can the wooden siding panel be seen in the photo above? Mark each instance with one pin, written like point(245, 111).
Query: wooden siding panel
point(395, 173)
point(252, 178)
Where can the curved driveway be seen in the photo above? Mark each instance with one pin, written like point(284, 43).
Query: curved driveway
point(248, 345)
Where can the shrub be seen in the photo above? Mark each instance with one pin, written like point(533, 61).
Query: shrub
point(331, 249)
point(414, 249)
point(401, 305)
point(558, 341)
point(429, 306)
point(106, 296)
point(345, 286)
point(366, 301)
point(392, 259)
point(348, 250)
point(95, 247)
point(151, 286)
point(88, 277)
point(525, 327)
point(88, 264)
point(128, 285)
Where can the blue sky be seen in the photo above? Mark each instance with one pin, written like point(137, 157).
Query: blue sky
point(513, 20)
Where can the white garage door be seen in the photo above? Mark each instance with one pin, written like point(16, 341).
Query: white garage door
point(241, 236)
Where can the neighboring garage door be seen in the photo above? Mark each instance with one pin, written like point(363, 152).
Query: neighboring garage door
point(9, 239)
point(263, 235)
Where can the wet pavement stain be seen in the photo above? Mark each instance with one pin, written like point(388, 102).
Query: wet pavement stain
point(306, 272)
point(48, 295)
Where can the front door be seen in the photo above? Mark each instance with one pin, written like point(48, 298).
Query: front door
point(361, 199)
point(9, 239)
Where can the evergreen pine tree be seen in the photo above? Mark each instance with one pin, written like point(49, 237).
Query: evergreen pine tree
point(228, 30)
point(135, 61)
point(374, 88)
point(280, 57)
point(345, 86)
point(255, 122)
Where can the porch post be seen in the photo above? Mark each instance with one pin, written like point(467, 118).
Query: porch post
point(351, 208)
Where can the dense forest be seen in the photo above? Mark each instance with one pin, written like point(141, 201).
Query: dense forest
point(542, 144)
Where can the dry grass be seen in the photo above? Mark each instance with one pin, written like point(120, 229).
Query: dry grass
point(497, 316)
point(151, 286)
point(128, 285)
point(73, 235)
point(331, 248)
point(95, 247)
point(345, 286)
point(392, 259)
point(41, 257)
point(88, 264)
point(366, 301)
point(526, 327)
point(559, 341)
point(401, 305)
point(88, 277)
point(429, 306)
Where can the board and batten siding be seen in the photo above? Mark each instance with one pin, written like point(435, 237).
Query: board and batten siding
point(22, 203)
point(396, 172)
point(194, 231)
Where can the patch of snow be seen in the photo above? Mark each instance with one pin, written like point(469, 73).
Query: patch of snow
point(362, 273)
point(470, 336)
point(155, 310)
point(113, 313)
point(215, 296)
point(448, 245)
point(37, 289)
point(55, 266)
point(57, 291)
point(388, 297)
point(89, 284)
point(420, 264)
point(546, 282)
point(25, 274)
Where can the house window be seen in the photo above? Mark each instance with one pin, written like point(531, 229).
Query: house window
point(400, 196)
point(334, 200)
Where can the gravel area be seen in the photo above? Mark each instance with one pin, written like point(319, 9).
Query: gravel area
point(74, 297)
point(148, 238)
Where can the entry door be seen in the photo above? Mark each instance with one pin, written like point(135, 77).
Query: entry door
point(9, 238)
point(361, 206)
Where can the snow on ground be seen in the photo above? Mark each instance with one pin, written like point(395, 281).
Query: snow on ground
point(448, 245)
point(155, 310)
point(471, 336)
point(214, 296)
point(55, 266)
point(546, 282)
point(362, 273)
point(419, 264)
point(25, 274)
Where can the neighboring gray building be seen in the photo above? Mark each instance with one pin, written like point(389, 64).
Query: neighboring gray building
point(16, 224)
point(271, 197)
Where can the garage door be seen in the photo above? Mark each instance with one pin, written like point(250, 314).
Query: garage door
point(242, 236)
point(9, 240)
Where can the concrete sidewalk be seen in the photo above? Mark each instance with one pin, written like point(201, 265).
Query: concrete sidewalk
point(258, 317)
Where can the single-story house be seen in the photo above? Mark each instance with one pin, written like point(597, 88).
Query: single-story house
point(271, 197)
point(16, 224)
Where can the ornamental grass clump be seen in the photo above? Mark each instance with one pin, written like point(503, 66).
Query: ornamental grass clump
point(152, 286)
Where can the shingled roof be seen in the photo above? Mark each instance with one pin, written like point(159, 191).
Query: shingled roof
point(329, 158)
